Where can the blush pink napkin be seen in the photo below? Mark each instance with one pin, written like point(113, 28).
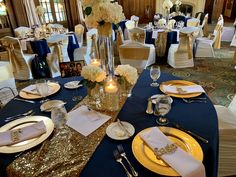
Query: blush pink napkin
point(27, 132)
point(180, 161)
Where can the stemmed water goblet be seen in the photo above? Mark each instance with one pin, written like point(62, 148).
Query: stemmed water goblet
point(162, 107)
point(155, 73)
point(43, 89)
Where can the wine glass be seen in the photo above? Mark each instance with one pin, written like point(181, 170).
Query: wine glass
point(155, 73)
point(43, 89)
point(162, 107)
point(59, 116)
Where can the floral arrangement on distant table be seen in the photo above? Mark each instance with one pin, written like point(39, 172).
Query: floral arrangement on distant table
point(40, 11)
point(167, 4)
point(128, 72)
point(178, 2)
point(99, 12)
point(161, 22)
point(92, 75)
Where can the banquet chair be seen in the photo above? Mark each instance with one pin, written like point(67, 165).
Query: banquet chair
point(171, 24)
point(135, 19)
point(228, 33)
point(22, 31)
point(91, 35)
point(7, 83)
point(79, 31)
point(20, 62)
point(204, 45)
point(160, 43)
point(137, 34)
point(193, 22)
point(120, 40)
point(58, 45)
point(200, 16)
point(227, 138)
point(137, 55)
point(180, 55)
point(204, 27)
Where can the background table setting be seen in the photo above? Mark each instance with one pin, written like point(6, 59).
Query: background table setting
point(93, 153)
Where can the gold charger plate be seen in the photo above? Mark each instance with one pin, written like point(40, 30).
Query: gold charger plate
point(54, 86)
point(148, 159)
point(27, 144)
point(179, 83)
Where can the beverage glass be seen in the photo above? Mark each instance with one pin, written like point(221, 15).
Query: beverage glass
point(43, 89)
point(59, 116)
point(155, 73)
point(162, 107)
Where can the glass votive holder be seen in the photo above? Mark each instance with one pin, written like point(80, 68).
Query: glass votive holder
point(111, 99)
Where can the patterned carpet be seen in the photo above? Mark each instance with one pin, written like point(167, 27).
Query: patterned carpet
point(217, 75)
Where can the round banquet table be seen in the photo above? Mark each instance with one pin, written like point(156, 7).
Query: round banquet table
point(200, 118)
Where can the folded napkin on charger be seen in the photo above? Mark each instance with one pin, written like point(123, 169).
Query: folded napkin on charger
point(85, 120)
point(183, 89)
point(179, 160)
point(31, 89)
point(18, 135)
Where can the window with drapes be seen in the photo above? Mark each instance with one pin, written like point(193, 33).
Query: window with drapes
point(54, 10)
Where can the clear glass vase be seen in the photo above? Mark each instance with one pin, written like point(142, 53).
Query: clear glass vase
point(105, 48)
point(125, 87)
point(95, 96)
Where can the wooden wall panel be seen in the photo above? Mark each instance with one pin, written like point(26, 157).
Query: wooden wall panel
point(145, 9)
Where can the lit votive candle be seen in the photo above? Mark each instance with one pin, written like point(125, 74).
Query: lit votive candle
point(96, 62)
point(111, 95)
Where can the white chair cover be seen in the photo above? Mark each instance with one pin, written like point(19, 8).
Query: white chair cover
point(20, 62)
point(227, 34)
point(137, 34)
point(180, 55)
point(204, 27)
point(79, 31)
point(58, 45)
point(22, 31)
point(89, 35)
point(7, 80)
point(227, 138)
point(204, 46)
point(135, 19)
point(137, 55)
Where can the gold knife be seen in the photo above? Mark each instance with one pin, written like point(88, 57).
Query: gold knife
point(124, 128)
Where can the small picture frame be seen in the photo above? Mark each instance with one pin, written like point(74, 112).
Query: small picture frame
point(70, 69)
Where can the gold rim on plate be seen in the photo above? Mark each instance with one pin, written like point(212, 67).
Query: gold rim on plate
point(179, 83)
point(148, 159)
point(54, 86)
point(27, 144)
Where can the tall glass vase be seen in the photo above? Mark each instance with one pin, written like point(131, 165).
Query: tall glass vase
point(105, 48)
point(167, 16)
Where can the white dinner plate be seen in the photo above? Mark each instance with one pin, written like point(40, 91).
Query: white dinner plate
point(158, 96)
point(27, 144)
point(114, 131)
point(47, 106)
point(72, 85)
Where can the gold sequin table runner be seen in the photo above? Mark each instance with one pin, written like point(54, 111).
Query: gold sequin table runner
point(64, 153)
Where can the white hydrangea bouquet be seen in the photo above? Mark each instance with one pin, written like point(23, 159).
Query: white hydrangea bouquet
point(101, 14)
point(92, 75)
point(178, 2)
point(40, 12)
point(161, 23)
point(167, 4)
point(129, 73)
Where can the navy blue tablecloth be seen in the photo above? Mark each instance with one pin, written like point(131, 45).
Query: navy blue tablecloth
point(72, 45)
point(197, 117)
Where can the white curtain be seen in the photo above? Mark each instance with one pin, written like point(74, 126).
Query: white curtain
point(31, 12)
point(80, 8)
